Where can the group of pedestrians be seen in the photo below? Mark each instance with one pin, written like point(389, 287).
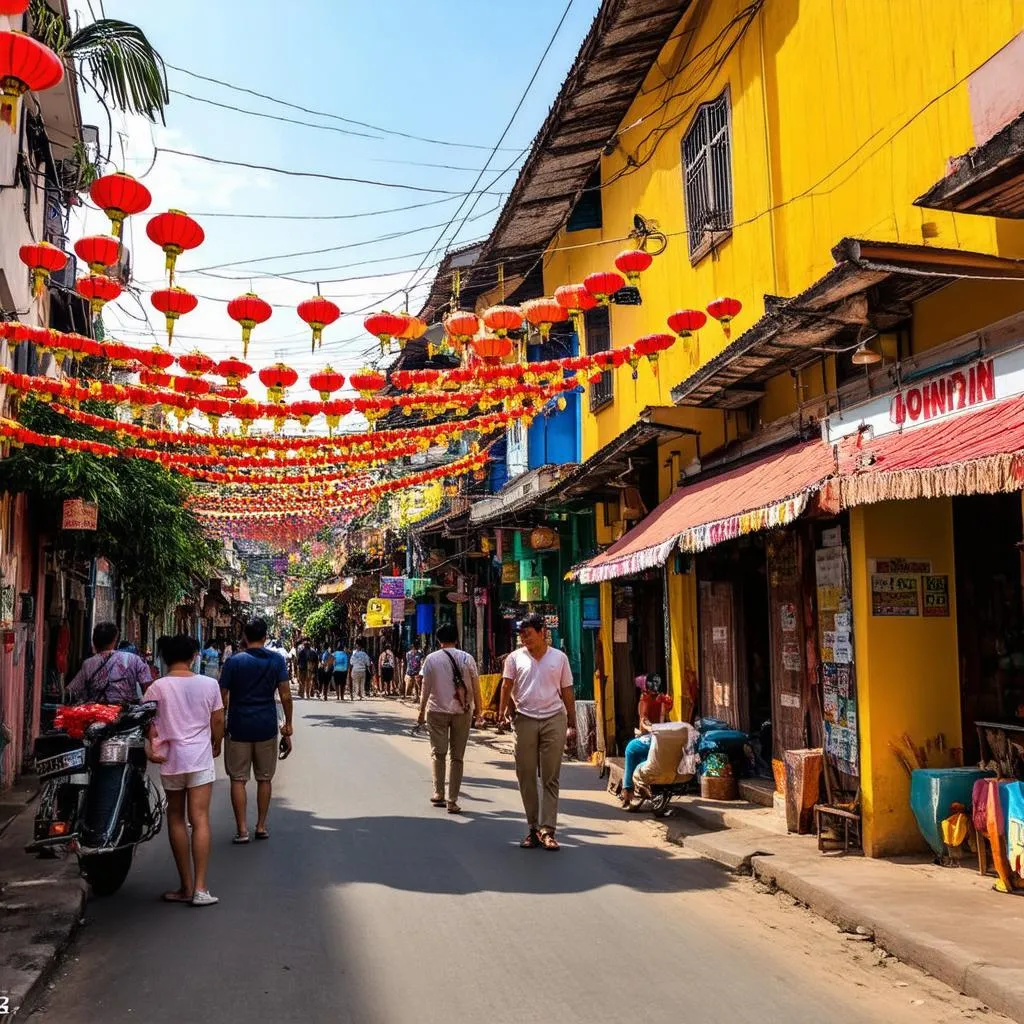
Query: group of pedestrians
point(537, 697)
point(197, 718)
point(334, 668)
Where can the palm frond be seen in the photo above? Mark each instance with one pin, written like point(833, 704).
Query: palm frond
point(123, 66)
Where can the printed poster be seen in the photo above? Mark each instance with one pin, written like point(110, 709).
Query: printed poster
point(894, 595)
point(936, 596)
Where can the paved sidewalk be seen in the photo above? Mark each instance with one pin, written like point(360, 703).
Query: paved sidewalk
point(946, 921)
point(41, 906)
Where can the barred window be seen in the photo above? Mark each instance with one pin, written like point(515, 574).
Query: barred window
point(597, 326)
point(707, 169)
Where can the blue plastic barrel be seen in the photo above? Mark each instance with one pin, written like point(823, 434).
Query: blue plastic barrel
point(933, 791)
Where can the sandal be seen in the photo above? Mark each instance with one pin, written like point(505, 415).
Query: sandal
point(531, 842)
point(176, 897)
point(438, 801)
point(548, 841)
point(241, 838)
point(262, 833)
point(454, 808)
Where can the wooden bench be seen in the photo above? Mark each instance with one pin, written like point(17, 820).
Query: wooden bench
point(615, 769)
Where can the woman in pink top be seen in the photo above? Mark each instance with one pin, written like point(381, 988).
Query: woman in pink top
point(184, 740)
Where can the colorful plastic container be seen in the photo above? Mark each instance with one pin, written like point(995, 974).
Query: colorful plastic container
point(933, 791)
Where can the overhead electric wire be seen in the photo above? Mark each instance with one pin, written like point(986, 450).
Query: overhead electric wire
point(323, 113)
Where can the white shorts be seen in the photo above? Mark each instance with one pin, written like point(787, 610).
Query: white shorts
point(188, 780)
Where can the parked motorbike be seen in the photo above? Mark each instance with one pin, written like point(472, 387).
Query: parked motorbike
point(97, 800)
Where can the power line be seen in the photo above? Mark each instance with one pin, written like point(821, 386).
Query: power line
point(323, 113)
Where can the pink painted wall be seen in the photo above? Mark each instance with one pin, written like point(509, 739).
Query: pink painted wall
point(996, 90)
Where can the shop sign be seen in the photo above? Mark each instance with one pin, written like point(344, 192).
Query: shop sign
point(551, 621)
point(894, 595)
point(952, 392)
point(905, 566)
point(398, 609)
point(789, 700)
point(80, 515)
point(591, 613)
point(378, 613)
point(936, 596)
point(509, 572)
point(509, 611)
point(392, 587)
point(543, 538)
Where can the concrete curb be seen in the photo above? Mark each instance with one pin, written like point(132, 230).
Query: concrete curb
point(41, 904)
point(748, 851)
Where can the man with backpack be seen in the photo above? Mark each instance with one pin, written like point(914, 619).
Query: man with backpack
point(449, 698)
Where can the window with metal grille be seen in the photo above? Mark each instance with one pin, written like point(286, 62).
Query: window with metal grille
point(707, 170)
point(597, 325)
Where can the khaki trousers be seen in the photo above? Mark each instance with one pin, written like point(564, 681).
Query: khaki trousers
point(540, 744)
point(448, 733)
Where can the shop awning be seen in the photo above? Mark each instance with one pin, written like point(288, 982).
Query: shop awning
point(769, 492)
point(980, 452)
point(988, 180)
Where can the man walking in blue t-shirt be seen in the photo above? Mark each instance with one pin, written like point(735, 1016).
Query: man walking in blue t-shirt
point(340, 669)
point(250, 681)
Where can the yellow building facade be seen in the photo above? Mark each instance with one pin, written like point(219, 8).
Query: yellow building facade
point(840, 114)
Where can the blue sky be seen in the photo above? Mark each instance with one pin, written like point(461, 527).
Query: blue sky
point(444, 69)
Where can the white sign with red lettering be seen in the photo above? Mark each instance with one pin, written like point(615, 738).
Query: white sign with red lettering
point(934, 397)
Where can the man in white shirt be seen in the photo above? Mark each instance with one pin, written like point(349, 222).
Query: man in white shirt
point(449, 700)
point(538, 681)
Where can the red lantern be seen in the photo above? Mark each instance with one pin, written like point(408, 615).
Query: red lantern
point(490, 348)
point(119, 195)
point(191, 386)
point(156, 358)
point(305, 411)
point(155, 379)
point(384, 326)
point(652, 345)
point(173, 303)
point(25, 64)
point(12, 8)
point(98, 289)
point(213, 408)
point(196, 363)
point(632, 263)
point(98, 251)
point(461, 326)
point(574, 298)
point(232, 392)
point(367, 382)
point(603, 285)
point(43, 260)
point(249, 310)
point(723, 310)
point(175, 232)
point(248, 411)
point(276, 379)
point(233, 370)
point(326, 382)
point(687, 321)
point(543, 313)
point(501, 320)
point(414, 329)
point(319, 313)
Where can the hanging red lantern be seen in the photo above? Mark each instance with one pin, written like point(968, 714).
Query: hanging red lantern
point(156, 358)
point(249, 310)
point(603, 285)
point(575, 299)
point(461, 327)
point(191, 385)
point(723, 310)
point(155, 378)
point(319, 313)
point(98, 289)
point(502, 319)
point(196, 363)
point(334, 410)
point(632, 263)
point(25, 65)
point(43, 260)
point(214, 407)
point(384, 326)
point(277, 379)
point(98, 251)
point(367, 381)
point(233, 370)
point(232, 392)
point(247, 411)
point(175, 232)
point(543, 314)
point(12, 8)
point(652, 345)
point(119, 195)
point(414, 329)
point(326, 382)
point(491, 348)
point(173, 302)
point(305, 411)
point(120, 355)
point(687, 321)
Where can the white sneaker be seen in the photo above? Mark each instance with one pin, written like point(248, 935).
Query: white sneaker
point(203, 898)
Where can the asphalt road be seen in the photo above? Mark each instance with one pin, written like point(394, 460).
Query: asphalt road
point(369, 905)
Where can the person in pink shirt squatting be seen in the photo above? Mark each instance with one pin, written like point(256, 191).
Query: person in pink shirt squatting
point(184, 740)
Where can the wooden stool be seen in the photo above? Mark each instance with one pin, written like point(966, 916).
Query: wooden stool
point(849, 820)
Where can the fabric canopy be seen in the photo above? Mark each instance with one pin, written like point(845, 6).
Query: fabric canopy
point(770, 492)
point(980, 452)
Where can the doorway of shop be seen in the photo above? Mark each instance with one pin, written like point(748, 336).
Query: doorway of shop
point(987, 532)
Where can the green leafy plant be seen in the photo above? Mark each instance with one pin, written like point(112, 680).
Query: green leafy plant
point(160, 549)
point(113, 57)
point(324, 621)
point(303, 600)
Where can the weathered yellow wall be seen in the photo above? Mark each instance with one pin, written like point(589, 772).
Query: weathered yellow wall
point(907, 668)
point(608, 694)
point(843, 112)
point(682, 607)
